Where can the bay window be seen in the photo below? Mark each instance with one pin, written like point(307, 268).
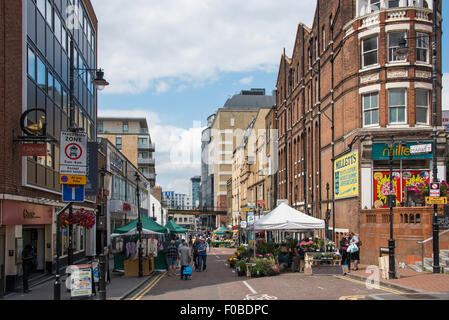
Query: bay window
point(393, 44)
point(396, 105)
point(422, 47)
point(369, 51)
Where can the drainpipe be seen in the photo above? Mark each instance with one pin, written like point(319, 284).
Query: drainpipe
point(285, 127)
point(319, 106)
point(304, 140)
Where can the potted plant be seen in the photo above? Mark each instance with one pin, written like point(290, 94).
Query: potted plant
point(240, 267)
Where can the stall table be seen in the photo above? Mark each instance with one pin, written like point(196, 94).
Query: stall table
point(309, 261)
point(132, 267)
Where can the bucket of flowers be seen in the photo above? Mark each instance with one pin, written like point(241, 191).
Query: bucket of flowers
point(308, 246)
point(232, 261)
point(330, 246)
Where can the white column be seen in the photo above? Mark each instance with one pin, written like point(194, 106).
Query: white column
point(366, 184)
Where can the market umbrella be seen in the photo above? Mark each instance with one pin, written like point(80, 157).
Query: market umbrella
point(221, 230)
point(175, 228)
point(149, 226)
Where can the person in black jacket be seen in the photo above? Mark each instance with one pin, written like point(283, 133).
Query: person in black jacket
point(345, 256)
point(27, 265)
point(196, 257)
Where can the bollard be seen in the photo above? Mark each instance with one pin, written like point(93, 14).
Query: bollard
point(102, 289)
point(2, 280)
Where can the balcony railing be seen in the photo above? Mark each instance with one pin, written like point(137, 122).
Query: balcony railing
point(146, 161)
point(150, 176)
point(146, 146)
point(364, 7)
point(120, 131)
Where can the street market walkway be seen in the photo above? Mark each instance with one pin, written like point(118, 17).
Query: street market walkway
point(220, 282)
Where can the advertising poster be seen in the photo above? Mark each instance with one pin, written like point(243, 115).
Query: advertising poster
point(347, 176)
point(81, 282)
point(381, 184)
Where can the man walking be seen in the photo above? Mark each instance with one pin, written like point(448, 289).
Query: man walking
point(172, 257)
point(196, 245)
point(202, 252)
point(27, 265)
point(185, 257)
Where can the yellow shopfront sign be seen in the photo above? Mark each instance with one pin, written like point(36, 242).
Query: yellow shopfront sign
point(346, 174)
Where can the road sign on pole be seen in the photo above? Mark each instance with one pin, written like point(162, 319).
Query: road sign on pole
point(72, 193)
point(73, 153)
point(434, 190)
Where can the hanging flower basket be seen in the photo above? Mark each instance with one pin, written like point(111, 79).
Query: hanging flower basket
point(81, 217)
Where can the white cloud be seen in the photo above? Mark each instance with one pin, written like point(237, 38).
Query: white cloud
point(178, 150)
point(191, 42)
point(445, 94)
point(247, 80)
point(162, 87)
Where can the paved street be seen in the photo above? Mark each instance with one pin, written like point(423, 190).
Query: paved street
point(220, 282)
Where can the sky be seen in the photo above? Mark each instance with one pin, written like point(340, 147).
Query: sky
point(176, 62)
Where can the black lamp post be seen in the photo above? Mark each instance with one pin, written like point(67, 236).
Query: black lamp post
point(139, 225)
point(102, 257)
point(57, 285)
point(154, 217)
point(328, 212)
point(403, 51)
point(391, 200)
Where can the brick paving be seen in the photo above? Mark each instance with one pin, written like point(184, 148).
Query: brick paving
point(408, 278)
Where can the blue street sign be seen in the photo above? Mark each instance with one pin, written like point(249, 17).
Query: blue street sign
point(72, 193)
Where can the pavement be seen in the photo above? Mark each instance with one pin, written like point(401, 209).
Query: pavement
point(120, 288)
point(408, 280)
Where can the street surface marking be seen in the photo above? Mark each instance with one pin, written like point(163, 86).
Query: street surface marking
point(357, 297)
point(364, 283)
point(150, 286)
point(249, 287)
point(259, 297)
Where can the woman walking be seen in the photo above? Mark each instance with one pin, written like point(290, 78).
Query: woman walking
point(345, 256)
point(355, 256)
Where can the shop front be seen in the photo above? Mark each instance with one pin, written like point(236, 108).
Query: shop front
point(25, 224)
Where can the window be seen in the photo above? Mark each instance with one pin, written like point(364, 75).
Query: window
point(64, 38)
point(58, 93)
point(41, 6)
point(49, 14)
point(393, 4)
point(118, 142)
point(125, 126)
point(370, 105)
point(324, 39)
point(143, 140)
point(31, 64)
point(50, 85)
point(393, 45)
point(232, 122)
point(375, 5)
point(422, 106)
point(369, 51)
point(58, 29)
point(396, 105)
point(41, 74)
point(65, 101)
point(422, 47)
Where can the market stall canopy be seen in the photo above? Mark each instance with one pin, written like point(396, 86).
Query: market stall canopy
point(149, 226)
point(221, 230)
point(175, 228)
point(284, 217)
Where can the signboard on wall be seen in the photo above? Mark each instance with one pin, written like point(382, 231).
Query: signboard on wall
point(381, 151)
point(346, 170)
point(446, 119)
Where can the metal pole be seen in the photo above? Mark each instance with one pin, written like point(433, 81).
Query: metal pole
point(139, 226)
point(102, 257)
point(154, 217)
point(436, 249)
point(70, 248)
point(391, 245)
point(57, 285)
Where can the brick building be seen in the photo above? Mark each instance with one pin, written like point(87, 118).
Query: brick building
point(35, 70)
point(341, 96)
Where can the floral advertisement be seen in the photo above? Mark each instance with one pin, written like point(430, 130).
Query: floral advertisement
point(409, 178)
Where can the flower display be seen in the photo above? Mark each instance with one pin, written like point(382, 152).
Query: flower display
point(81, 217)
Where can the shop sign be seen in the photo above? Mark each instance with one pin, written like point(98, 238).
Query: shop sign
point(81, 281)
point(33, 149)
point(436, 200)
point(250, 217)
point(243, 224)
point(126, 206)
point(261, 203)
point(381, 151)
point(346, 171)
point(421, 148)
point(92, 169)
point(18, 213)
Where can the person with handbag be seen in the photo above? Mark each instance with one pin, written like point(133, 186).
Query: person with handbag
point(355, 255)
point(345, 255)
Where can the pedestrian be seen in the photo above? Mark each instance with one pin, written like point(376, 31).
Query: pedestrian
point(346, 256)
point(298, 254)
point(172, 257)
point(202, 253)
point(185, 257)
point(195, 254)
point(208, 243)
point(355, 256)
point(27, 265)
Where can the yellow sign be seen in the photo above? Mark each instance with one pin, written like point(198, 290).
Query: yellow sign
point(436, 200)
point(71, 179)
point(346, 171)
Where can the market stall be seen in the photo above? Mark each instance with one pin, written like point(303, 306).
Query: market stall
point(175, 228)
point(222, 237)
point(286, 218)
point(125, 245)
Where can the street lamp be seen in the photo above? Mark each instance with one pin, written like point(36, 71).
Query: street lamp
point(139, 225)
point(391, 201)
point(102, 257)
point(403, 52)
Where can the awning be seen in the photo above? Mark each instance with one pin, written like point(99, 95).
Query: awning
point(149, 226)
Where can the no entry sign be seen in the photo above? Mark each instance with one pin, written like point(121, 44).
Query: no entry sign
point(73, 153)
